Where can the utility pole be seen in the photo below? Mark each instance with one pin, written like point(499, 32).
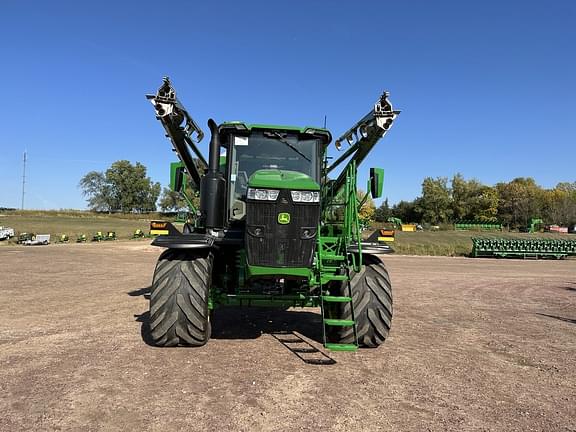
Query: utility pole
point(23, 179)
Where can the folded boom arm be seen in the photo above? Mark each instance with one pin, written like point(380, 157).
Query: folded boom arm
point(362, 137)
point(184, 138)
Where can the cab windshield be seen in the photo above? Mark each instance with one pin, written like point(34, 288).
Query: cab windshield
point(268, 150)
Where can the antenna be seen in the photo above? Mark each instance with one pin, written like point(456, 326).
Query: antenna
point(324, 121)
point(23, 179)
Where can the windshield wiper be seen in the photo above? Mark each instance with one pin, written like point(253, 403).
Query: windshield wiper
point(283, 140)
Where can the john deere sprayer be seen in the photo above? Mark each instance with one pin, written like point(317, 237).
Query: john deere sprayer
point(277, 225)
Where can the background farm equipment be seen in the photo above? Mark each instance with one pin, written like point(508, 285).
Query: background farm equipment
point(138, 233)
point(397, 224)
point(523, 248)
point(273, 229)
point(158, 227)
point(98, 236)
point(383, 236)
point(556, 229)
point(63, 238)
point(6, 233)
point(81, 238)
point(23, 237)
point(37, 239)
point(536, 225)
point(110, 235)
point(465, 225)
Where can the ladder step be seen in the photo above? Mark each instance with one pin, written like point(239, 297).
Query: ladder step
point(330, 257)
point(338, 322)
point(330, 268)
point(335, 277)
point(329, 239)
point(341, 347)
point(337, 299)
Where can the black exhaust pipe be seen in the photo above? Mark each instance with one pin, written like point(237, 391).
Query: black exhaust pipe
point(214, 151)
point(213, 185)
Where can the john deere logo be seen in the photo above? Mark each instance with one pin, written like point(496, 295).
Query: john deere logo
point(283, 218)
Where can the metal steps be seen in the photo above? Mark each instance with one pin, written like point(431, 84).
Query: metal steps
point(333, 268)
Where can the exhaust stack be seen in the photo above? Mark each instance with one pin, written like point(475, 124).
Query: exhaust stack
point(213, 185)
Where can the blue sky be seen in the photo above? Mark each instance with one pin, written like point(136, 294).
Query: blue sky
point(487, 89)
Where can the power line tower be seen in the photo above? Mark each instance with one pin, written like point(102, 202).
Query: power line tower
point(23, 179)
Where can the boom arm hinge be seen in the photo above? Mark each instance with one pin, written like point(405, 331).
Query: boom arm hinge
point(362, 137)
point(180, 127)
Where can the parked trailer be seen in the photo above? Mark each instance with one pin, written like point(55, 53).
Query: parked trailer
point(523, 248)
point(38, 239)
point(6, 233)
point(24, 237)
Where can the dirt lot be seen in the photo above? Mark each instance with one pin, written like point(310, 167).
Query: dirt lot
point(476, 345)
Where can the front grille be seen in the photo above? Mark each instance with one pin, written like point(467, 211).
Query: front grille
point(271, 244)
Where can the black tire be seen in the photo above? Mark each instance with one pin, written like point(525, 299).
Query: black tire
point(372, 298)
point(179, 298)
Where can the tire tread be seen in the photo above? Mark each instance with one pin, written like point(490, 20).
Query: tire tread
point(179, 313)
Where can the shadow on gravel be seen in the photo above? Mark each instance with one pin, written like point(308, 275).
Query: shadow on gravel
point(251, 322)
point(140, 292)
point(302, 349)
point(568, 320)
point(290, 328)
point(144, 319)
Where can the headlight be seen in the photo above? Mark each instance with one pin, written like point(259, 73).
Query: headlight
point(305, 196)
point(263, 194)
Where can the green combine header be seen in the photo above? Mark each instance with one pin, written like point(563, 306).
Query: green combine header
point(466, 225)
point(523, 248)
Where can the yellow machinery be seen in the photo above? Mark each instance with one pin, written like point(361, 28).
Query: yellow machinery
point(386, 235)
point(158, 227)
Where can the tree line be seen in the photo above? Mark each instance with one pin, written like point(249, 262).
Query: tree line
point(511, 203)
point(125, 187)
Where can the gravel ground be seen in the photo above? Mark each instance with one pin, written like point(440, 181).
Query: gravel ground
point(476, 345)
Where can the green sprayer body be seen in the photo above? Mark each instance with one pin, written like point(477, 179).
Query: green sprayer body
point(272, 228)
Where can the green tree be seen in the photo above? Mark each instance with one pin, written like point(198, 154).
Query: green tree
point(123, 187)
point(486, 205)
point(99, 193)
point(519, 201)
point(465, 198)
point(471, 200)
point(366, 212)
point(408, 211)
point(560, 204)
point(171, 200)
point(436, 202)
point(383, 212)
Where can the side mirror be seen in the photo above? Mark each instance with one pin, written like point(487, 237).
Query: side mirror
point(176, 176)
point(376, 182)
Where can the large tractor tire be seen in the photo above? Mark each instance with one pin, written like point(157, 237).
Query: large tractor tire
point(372, 299)
point(179, 313)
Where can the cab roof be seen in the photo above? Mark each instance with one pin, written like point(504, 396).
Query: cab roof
point(323, 134)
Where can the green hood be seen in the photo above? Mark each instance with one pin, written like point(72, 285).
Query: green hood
point(281, 179)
